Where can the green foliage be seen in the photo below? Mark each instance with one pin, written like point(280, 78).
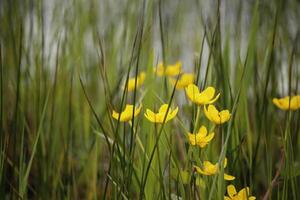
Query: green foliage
point(64, 65)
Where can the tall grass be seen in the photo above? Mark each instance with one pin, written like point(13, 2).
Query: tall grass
point(65, 67)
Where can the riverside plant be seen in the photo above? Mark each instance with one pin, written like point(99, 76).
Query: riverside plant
point(158, 99)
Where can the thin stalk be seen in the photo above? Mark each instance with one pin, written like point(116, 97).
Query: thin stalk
point(144, 178)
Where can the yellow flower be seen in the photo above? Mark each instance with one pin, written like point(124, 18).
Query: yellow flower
point(126, 115)
point(243, 194)
point(210, 169)
point(170, 70)
point(215, 116)
point(139, 81)
point(283, 103)
point(201, 138)
point(184, 81)
point(159, 117)
point(201, 98)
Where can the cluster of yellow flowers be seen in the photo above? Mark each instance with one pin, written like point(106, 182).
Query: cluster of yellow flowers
point(165, 113)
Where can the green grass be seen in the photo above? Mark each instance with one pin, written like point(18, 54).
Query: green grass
point(64, 66)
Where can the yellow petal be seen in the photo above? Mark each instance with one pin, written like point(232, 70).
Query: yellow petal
point(137, 110)
point(225, 163)
point(126, 115)
point(278, 104)
point(150, 116)
point(184, 81)
point(207, 113)
point(131, 84)
point(209, 137)
point(213, 110)
point(142, 77)
point(231, 191)
point(295, 102)
point(162, 113)
point(226, 198)
point(215, 116)
point(139, 81)
point(200, 138)
point(173, 70)
point(150, 113)
point(228, 177)
point(115, 115)
point(202, 143)
point(163, 108)
point(209, 92)
point(187, 78)
point(160, 116)
point(211, 113)
point(282, 103)
point(192, 92)
point(224, 116)
point(128, 108)
point(160, 69)
point(202, 132)
point(199, 170)
point(215, 99)
point(172, 114)
point(244, 193)
point(192, 138)
point(285, 102)
point(207, 96)
point(210, 168)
